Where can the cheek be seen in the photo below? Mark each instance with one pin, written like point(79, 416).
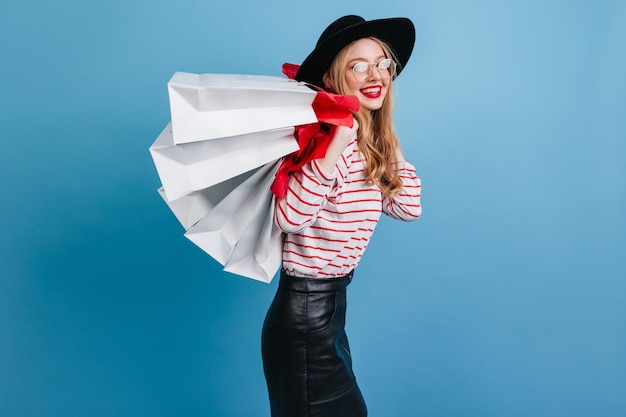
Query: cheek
point(353, 85)
point(385, 88)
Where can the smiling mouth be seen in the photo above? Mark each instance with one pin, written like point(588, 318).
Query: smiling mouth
point(371, 92)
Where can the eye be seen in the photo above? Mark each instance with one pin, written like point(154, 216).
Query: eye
point(384, 64)
point(360, 67)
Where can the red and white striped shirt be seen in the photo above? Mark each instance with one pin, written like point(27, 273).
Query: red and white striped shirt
point(329, 218)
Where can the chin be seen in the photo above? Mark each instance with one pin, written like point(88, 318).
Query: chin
point(371, 106)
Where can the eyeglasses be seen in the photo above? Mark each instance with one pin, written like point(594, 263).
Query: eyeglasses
point(362, 70)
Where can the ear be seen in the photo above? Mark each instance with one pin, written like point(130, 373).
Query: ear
point(327, 83)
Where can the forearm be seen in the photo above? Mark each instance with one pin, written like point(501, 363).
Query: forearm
point(341, 136)
point(407, 204)
point(306, 193)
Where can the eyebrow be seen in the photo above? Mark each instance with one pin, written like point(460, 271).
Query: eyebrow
point(359, 59)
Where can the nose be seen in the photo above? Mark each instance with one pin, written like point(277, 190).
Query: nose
point(374, 74)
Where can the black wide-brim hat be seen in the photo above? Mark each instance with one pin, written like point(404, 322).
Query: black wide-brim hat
point(397, 32)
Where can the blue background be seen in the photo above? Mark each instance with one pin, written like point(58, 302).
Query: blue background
point(505, 299)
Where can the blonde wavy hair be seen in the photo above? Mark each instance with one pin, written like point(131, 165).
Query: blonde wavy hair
point(378, 142)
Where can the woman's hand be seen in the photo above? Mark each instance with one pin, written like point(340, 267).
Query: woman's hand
point(341, 136)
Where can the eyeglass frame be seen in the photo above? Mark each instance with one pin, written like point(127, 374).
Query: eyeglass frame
point(392, 73)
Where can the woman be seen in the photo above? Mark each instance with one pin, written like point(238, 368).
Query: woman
point(328, 215)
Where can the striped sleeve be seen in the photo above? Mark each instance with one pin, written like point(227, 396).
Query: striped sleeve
point(406, 205)
point(307, 193)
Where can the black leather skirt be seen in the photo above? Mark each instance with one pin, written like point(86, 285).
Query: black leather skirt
point(306, 356)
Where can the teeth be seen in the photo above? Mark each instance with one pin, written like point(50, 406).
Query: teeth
point(372, 90)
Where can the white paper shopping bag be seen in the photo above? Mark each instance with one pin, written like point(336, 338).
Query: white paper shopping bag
point(209, 106)
point(189, 209)
point(190, 167)
point(259, 252)
point(244, 208)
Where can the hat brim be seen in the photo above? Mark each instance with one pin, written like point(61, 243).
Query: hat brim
point(397, 32)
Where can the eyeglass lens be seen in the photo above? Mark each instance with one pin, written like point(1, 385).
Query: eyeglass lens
point(362, 70)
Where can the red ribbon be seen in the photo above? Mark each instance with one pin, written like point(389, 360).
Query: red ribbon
point(313, 138)
point(290, 70)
